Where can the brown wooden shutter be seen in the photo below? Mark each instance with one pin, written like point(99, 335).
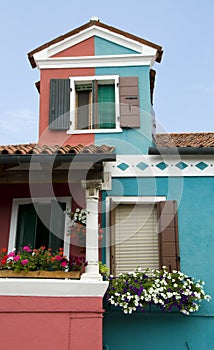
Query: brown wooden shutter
point(129, 102)
point(112, 239)
point(168, 235)
point(152, 83)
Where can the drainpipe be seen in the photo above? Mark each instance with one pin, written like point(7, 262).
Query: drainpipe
point(92, 188)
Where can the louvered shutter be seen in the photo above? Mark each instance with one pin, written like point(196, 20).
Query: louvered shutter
point(168, 235)
point(112, 237)
point(135, 237)
point(59, 112)
point(129, 102)
point(57, 225)
point(83, 111)
point(106, 106)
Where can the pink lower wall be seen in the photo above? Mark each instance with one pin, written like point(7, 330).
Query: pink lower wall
point(66, 323)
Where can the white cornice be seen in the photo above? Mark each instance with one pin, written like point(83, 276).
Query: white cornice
point(160, 166)
point(96, 61)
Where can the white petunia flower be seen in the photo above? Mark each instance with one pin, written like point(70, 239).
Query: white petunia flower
point(185, 312)
point(207, 297)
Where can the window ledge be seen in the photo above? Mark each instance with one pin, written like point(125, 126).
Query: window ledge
point(94, 131)
point(52, 287)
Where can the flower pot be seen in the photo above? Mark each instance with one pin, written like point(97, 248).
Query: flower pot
point(40, 274)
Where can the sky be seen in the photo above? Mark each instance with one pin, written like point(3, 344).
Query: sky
point(184, 89)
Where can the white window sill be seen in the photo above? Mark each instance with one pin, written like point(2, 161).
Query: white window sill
point(93, 131)
point(52, 287)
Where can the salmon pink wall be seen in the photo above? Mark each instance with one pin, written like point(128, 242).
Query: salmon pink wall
point(52, 137)
point(85, 48)
point(51, 322)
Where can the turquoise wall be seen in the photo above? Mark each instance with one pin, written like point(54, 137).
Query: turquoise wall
point(106, 47)
point(129, 141)
point(155, 331)
point(159, 331)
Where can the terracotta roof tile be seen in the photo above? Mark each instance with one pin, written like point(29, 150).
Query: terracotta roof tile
point(198, 139)
point(33, 148)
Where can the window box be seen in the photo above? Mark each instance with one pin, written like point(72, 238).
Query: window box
point(40, 274)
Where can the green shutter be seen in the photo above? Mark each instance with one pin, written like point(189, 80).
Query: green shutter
point(26, 226)
point(59, 112)
point(57, 225)
point(106, 106)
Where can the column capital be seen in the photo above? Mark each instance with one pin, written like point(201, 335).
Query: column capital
point(92, 187)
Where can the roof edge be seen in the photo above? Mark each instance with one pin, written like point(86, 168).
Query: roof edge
point(54, 158)
point(181, 150)
point(101, 25)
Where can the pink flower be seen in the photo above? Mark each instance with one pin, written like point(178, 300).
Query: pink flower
point(16, 258)
point(11, 254)
point(57, 257)
point(27, 249)
point(63, 263)
point(24, 261)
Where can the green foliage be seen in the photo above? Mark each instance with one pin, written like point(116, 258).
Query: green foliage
point(103, 269)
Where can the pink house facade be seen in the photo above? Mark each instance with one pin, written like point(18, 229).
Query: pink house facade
point(66, 166)
point(98, 150)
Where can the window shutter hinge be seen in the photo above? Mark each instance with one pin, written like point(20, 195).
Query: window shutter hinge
point(118, 84)
point(131, 98)
point(70, 89)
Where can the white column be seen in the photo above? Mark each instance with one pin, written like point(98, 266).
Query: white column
point(92, 188)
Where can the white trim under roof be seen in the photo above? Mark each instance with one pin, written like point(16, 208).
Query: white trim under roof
point(95, 61)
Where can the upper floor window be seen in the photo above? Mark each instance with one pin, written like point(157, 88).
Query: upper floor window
point(94, 104)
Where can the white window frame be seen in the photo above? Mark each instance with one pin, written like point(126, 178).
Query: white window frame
point(124, 200)
point(75, 80)
point(14, 219)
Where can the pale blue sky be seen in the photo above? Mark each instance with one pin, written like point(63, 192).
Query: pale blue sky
point(184, 92)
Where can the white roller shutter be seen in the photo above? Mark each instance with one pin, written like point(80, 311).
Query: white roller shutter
point(135, 237)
